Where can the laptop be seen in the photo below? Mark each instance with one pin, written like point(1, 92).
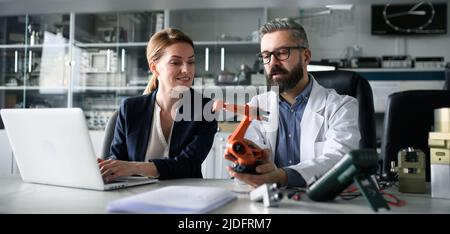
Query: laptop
point(52, 146)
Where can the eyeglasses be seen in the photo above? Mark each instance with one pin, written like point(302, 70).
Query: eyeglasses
point(280, 54)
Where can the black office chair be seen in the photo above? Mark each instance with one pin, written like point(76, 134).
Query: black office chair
point(408, 119)
point(350, 83)
point(109, 135)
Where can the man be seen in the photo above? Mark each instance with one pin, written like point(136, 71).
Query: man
point(316, 127)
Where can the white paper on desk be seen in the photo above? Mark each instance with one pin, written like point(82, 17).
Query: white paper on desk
point(174, 199)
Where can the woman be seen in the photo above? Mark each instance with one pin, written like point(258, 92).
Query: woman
point(147, 141)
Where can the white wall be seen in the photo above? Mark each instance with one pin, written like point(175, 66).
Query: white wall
point(330, 35)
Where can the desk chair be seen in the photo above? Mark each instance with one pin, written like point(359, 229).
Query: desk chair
point(351, 84)
point(109, 135)
point(408, 119)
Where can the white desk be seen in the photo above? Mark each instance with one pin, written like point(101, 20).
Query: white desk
point(19, 197)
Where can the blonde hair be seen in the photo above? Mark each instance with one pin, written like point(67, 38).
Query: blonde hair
point(155, 49)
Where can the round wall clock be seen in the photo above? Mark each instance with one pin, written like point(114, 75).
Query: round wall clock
point(414, 19)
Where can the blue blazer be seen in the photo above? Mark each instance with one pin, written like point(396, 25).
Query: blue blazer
point(189, 144)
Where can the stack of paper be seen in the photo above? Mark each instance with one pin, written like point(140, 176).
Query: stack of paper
point(174, 200)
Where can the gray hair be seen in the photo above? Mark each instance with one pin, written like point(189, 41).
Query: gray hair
point(297, 31)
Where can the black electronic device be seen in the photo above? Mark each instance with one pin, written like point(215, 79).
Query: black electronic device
point(357, 166)
point(336, 62)
point(226, 78)
point(365, 62)
point(416, 18)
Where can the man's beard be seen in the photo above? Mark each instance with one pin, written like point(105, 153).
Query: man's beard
point(287, 83)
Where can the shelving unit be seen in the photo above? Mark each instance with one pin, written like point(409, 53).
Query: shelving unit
point(101, 60)
point(24, 88)
point(229, 46)
point(395, 69)
point(34, 51)
point(110, 63)
point(100, 57)
point(385, 81)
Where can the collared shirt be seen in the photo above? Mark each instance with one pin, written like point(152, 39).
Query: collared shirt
point(288, 141)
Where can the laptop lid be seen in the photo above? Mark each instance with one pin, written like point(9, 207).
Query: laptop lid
point(53, 146)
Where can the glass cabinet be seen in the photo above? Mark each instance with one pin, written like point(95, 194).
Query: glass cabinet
point(93, 64)
point(109, 60)
point(34, 51)
point(226, 41)
point(95, 60)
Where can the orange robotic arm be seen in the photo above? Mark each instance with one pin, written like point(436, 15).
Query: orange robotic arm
point(247, 155)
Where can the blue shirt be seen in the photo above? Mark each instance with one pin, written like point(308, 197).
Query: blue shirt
point(288, 141)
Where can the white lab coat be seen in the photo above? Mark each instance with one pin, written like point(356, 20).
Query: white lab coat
point(329, 129)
